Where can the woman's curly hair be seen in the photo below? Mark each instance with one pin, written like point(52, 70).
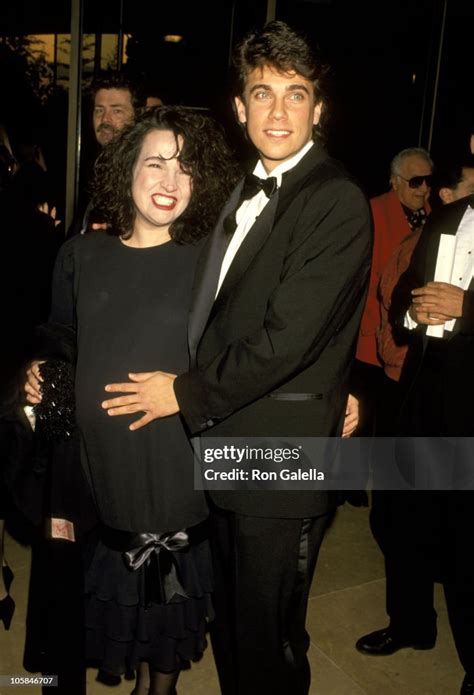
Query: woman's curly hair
point(205, 155)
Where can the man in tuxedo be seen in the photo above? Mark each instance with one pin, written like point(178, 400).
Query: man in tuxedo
point(272, 336)
point(428, 532)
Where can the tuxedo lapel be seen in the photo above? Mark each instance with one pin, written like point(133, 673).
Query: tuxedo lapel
point(253, 242)
point(448, 221)
point(295, 179)
point(292, 182)
point(207, 276)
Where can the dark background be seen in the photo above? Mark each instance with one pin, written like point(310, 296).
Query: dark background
point(375, 49)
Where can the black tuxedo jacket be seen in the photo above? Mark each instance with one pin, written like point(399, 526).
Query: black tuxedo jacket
point(272, 353)
point(453, 379)
point(421, 270)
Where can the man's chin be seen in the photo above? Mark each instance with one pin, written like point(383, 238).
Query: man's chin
point(104, 138)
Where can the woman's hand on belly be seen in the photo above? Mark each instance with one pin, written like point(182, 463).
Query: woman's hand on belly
point(151, 393)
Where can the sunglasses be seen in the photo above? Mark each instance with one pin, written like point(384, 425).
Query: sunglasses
point(417, 181)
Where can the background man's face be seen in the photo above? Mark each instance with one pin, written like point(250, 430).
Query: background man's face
point(113, 110)
point(151, 102)
point(466, 185)
point(464, 188)
point(279, 111)
point(412, 198)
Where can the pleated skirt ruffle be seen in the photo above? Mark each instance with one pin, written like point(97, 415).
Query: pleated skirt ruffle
point(122, 630)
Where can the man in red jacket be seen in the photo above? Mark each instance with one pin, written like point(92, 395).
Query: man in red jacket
point(395, 214)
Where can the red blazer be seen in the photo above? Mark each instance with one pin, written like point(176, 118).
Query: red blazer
point(390, 228)
point(391, 353)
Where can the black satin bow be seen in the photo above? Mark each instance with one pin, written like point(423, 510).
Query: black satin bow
point(253, 185)
point(162, 581)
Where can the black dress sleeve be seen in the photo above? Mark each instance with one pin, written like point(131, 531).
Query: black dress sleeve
point(63, 286)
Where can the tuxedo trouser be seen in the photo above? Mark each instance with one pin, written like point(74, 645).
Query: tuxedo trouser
point(426, 537)
point(263, 569)
point(403, 524)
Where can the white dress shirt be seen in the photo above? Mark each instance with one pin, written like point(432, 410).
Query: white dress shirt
point(463, 268)
point(251, 209)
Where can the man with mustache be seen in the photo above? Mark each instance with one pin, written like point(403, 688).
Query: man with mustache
point(115, 101)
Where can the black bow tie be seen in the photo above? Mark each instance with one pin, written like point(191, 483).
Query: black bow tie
point(253, 185)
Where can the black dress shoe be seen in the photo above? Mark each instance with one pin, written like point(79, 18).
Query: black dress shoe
point(467, 687)
point(8, 577)
point(7, 608)
point(107, 678)
point(129, 674)
point(384, 643)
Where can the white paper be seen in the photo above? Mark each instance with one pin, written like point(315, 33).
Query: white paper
point(443, 272)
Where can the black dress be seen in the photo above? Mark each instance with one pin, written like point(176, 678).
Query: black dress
point(130, 307)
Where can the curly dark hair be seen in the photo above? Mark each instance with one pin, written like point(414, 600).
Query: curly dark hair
point(205, 155)
point(113, 79)
point(279, 46)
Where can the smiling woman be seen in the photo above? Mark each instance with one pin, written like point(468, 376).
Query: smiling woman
point(160, 185)
point(198, 147)
point(161, 188)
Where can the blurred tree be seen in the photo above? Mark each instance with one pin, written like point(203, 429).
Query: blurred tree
point(31, 59)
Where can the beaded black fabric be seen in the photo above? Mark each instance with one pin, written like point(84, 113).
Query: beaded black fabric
point(56, 412)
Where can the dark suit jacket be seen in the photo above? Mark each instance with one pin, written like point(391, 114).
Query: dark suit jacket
point(272, 354)
point(442, 368)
